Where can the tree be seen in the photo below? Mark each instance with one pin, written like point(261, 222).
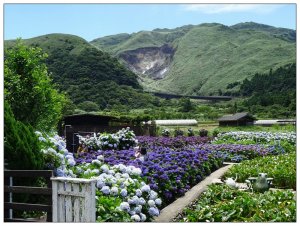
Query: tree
point(21, 145)
point(186, 105)
point(29, 89)
point(88, 106)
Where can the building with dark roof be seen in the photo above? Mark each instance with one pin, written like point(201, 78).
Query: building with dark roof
point(238, 119)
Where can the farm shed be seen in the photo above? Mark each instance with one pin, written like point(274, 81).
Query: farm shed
point(238, 119)
point(86, 124)
point(176, 122)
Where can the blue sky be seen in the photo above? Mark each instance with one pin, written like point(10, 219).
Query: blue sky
point(91, 21)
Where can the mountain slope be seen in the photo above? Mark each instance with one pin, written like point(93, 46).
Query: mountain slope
point(86, 73)
point(202, 59)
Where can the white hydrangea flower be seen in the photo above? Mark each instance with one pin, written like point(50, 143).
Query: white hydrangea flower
point(137, 171)
point(143, 217)
point(151, 203)
point(125, 206)
point(158, 202)
point(136, 218)
point(104, 168)
point(153, 195)
point(114, 191)
point(100, 157)
point(96, 171)
point(145, 188)
point(96, 162)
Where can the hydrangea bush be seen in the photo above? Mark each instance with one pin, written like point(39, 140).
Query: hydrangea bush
point(165, 133)
point(122, 195)
point(123, 139)
point(56, 155)
point(255, 137)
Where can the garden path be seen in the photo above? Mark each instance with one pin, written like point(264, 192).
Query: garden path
point(172, 210)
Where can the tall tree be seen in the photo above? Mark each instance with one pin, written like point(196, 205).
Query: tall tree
point(29, 89)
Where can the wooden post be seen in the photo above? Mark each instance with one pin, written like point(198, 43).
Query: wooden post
point(74, 199)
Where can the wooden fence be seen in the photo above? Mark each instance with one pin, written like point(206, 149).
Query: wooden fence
point(9, 189)
point(73, 199)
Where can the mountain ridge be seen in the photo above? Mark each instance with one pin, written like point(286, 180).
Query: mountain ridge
point(206, 57)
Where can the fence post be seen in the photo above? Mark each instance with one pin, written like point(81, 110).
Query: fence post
point(73, 199)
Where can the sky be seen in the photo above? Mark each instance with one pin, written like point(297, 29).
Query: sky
point(91, 21)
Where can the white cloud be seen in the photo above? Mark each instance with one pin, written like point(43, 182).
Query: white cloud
point(230, 8)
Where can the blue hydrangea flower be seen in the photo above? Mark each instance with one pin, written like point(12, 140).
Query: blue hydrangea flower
point(135, 200)
point(138, 209)
point(105, 190)
point(123, 192)
point(142, 201)
point(138, 192)
point(100, 184)
point(153, 211)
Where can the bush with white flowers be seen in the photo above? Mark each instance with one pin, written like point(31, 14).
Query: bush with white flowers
point(56, 155)
point(126, 138)
point(123, 139)
point(108, 141)
point(122, 195)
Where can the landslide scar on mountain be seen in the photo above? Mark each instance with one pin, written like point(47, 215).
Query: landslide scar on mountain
point(151, 61)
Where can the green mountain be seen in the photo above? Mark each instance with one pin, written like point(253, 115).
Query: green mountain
point(202, 59)
point(86, 73)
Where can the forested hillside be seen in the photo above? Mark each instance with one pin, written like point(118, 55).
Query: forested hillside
point(88, 74)
point(275, 91)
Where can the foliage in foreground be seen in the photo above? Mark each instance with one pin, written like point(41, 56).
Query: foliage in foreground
point(22, 149)
point(223, 204)
point(280, 167)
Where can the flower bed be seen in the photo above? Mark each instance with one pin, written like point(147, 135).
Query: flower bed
point(282, 168)
point(129, 189)
point(222, 204)
point(255, 137)
point(169, 172)
point(122, 195)
point(171, 142)
point(238, 152)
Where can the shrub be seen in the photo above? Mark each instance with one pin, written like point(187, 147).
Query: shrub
point(203, 133)
point(178, 132)
point(21, 145)
point(280, 167)
point(223, 204)
point(165, 133)
point(190, 132)
point(215, 132)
